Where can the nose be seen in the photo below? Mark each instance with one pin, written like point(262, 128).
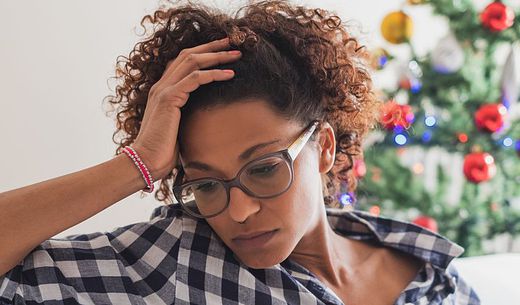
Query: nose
point(241, 205)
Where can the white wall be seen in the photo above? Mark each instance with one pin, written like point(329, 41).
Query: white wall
point(56, 59)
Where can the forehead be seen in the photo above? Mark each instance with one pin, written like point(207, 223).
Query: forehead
point(220, 135)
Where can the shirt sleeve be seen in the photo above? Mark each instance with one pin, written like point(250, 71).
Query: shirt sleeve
point(10, 285)
point(55, 264)
point(97, 268)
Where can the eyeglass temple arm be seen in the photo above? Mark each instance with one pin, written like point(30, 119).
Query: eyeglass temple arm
point(179, 175)
point(298, 145)
point(293, 150)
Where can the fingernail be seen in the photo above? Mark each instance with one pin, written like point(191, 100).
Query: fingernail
point(234, 52)
point(228, 71)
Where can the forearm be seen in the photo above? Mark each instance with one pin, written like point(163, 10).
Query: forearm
point(31, 214)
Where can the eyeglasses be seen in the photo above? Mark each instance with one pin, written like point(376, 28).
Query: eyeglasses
point(265, 177)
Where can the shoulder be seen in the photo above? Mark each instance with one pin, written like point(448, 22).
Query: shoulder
point(124, 259)
point(417, 255)
point(395, 234)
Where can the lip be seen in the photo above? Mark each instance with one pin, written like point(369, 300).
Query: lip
point(252, 235)
point(255, 239)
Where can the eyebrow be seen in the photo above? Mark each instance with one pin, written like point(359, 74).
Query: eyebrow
point(243, 156)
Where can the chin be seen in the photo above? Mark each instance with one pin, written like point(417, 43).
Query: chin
point(259, 260)
point(256, 264)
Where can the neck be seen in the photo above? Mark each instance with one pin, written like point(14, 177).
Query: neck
point(323, 252)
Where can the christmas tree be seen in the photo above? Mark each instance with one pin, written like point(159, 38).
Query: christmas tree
point(459, 101)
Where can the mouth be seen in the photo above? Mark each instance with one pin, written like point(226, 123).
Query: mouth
point(255, 241)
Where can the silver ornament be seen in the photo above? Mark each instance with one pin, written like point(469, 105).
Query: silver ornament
point(510, 80)
point(448, 55)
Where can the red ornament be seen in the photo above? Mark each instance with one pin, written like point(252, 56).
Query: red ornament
point(497, 17)
point(427, 223)
point(360, 169)
point(395, 115)
point(479, 167)
point(490, 117)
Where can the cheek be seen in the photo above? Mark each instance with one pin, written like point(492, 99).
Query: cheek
point(306, 186)
point(294, 212)
point(297, 209)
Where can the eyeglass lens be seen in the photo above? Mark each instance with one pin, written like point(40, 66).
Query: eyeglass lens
point(267, 177)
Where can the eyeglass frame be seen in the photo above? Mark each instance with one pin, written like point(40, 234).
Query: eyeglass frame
point(288, 155)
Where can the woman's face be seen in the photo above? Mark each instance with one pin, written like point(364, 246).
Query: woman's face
point(217, 137)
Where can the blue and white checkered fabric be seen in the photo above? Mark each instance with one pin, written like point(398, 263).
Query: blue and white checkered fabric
point(176, 259)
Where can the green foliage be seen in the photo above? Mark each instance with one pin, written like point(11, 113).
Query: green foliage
point(453, 99)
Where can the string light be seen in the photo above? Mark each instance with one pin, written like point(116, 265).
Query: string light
point(415, 85)
point(383, 60)
point(430, 121)
point(375, 210)
point(347, 199)
point(427, 136)
point(505, 101)
point(398, 129)
point(489, 159)
point(400, 139)
point(410, 117)
point(507, 142)
point(418, 168)
point(463, 138)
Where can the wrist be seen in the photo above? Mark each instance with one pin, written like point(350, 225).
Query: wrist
point(140, 164)
point(138, 182)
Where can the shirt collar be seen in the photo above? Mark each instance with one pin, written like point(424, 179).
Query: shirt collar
point(404, 236)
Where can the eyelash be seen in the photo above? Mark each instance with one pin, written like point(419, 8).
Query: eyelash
point(186, 179)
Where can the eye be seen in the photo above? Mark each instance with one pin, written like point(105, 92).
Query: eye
point(263, 170)
point(206, 187)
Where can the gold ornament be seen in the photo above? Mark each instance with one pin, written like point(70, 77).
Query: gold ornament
point(397, 27)
point(415, 2)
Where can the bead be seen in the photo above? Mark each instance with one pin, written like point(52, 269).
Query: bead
point(130, 152)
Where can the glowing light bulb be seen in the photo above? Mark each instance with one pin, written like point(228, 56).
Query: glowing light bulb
point(400, 139)
point(430, 121)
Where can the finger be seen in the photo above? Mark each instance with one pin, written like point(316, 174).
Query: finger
point(179, 92)
point(170, 67)
point(212, 46)
point(194, 62)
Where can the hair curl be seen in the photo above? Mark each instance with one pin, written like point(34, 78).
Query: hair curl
point(302, 60)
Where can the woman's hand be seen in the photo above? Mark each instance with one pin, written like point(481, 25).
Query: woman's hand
point(156, 142)
point(36, 212)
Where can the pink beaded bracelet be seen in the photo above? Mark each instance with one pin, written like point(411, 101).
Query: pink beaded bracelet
point(130, 151)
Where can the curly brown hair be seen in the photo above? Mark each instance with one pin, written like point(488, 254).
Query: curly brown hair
point(301, 60)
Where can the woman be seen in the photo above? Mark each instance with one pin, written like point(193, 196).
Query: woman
point(259, 142)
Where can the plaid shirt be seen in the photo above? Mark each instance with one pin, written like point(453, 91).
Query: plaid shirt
point(176, 259)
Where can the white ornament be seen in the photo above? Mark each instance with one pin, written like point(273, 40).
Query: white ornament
point(510, 80)
point(448, 55)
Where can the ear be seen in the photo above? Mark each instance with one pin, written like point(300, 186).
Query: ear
point(326, 147)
